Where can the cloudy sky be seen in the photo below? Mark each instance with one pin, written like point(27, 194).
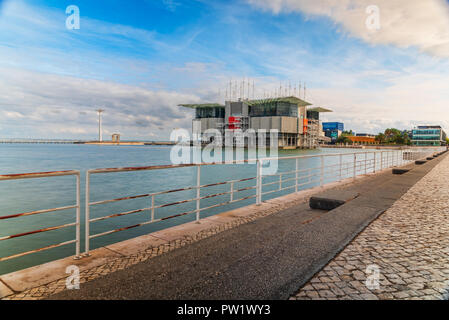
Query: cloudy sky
point(139, 59)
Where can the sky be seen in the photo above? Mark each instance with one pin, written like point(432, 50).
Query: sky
point(139, 59)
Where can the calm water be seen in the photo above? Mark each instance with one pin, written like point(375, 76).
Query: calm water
point(35, 194)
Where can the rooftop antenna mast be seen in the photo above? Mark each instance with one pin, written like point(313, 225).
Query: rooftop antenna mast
point(235, 90)
point(253, 90)
point(305, 91)
point(100, 129)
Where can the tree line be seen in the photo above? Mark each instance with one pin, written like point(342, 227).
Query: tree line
point(389, 136)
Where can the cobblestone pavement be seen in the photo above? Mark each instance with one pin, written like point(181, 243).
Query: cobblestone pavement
point(408, 245)
point(124, 262)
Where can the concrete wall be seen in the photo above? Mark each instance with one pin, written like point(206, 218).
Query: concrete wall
point(209, 123)
point(282, 124)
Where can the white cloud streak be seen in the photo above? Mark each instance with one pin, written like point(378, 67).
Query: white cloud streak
point(55, 104)
point(403, 23)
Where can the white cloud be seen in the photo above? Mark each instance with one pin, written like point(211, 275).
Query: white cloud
point(403, 23)
point(54, 104)
point(408, 101)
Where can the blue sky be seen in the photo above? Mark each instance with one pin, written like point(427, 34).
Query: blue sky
point(139, 59)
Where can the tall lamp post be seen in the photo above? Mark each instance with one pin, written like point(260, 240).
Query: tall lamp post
point(100, 133)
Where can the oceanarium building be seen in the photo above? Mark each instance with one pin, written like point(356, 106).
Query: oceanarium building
point(297, 124)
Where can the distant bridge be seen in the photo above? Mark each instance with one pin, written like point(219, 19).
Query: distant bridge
point(41, 141)
point(62, 141)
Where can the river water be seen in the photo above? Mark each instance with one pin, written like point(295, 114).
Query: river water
point(19, 196)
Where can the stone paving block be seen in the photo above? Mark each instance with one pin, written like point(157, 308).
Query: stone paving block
point(186, 229)
point(135, 245)
point(331, 199)
point(55, 270)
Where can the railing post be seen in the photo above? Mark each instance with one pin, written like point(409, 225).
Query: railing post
point(340, 165)
point(322, 171)
point(381, 160)
point(152, 207)
point(280, 181)
point(296, 175)
point(78, 217)
point(374, 167)
point(232, 191)
point(87, 215)
point(198, 193)
point(365, 160)
point(355, 164)
point(259, 183)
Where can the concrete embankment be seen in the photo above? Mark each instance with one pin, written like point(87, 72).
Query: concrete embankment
point(256, 252)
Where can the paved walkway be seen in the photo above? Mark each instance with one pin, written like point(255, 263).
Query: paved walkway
point(408, 245)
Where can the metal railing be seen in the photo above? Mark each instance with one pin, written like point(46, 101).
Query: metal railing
point(360, 163)
point(152, 208)
point(332, 168)
point(76, 224)
point(304, 172)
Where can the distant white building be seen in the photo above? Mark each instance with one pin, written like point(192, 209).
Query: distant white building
point(428, 136)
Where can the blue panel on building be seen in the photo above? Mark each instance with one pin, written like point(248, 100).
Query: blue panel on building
point(333, 126)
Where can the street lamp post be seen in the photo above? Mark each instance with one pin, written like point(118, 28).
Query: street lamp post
point(100, 133)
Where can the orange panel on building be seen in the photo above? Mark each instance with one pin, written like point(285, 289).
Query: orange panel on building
point(362, 140)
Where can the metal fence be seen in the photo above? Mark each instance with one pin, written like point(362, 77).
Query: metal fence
point(37, 175)
point(303, 172)
point(331, 168)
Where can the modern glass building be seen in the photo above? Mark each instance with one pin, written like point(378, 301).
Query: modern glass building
point(333, 126)
point(428, 136)
point(333, 129)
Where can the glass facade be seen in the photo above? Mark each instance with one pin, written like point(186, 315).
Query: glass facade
point(314, 115)
point(274, 109)
point(435, 132)
point(333, 126)
point(216, 112)
point(423, 137)
point(428, 136)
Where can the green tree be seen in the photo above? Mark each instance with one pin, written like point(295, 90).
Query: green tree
point(343, 138)
point(393, 136)
point(380, 138)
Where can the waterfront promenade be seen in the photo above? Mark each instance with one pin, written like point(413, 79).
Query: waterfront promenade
point(409, 243)
point(256, 252)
